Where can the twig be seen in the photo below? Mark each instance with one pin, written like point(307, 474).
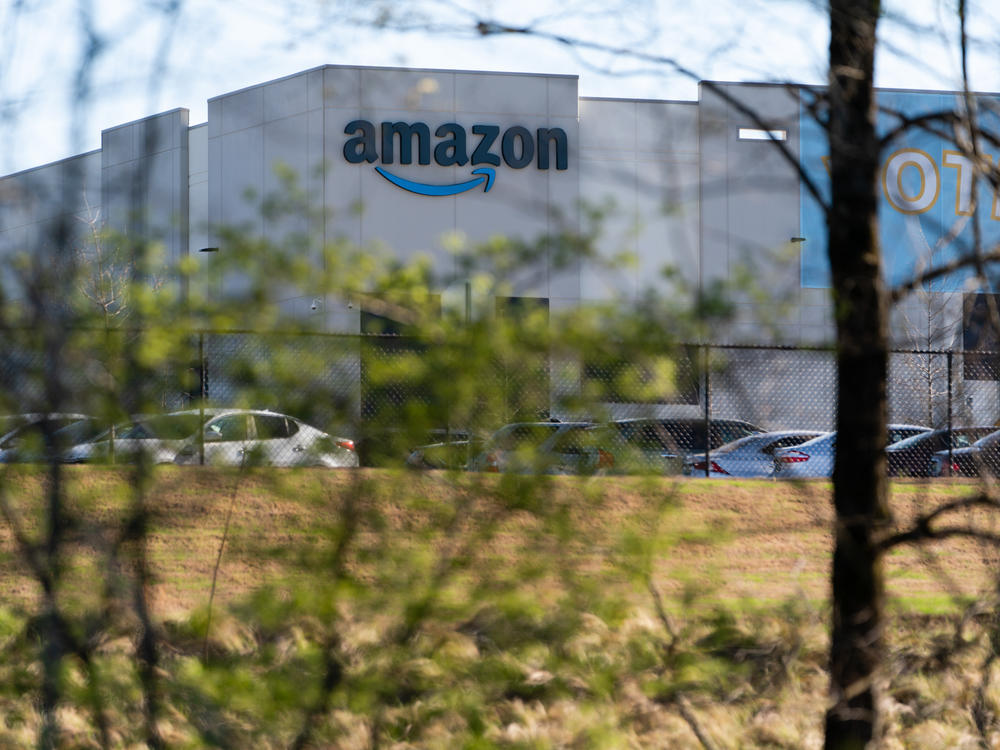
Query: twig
point(921, 529)
point(490, 28)
point(218, 560)
point(661, 613)
point(979, 705)
point(684, 708)
point(969, 259)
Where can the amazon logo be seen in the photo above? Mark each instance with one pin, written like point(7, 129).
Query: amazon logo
point(452, 146)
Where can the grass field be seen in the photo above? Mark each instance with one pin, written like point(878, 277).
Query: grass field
point(483, 611)
point(745, 540)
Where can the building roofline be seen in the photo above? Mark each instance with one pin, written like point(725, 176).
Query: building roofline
point(145, 119)
point(640, 101)
point(397, 68)
point(890, 89)
point(22, 172)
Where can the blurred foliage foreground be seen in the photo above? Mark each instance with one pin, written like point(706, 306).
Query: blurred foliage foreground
point(264, 608)
point(370, 608)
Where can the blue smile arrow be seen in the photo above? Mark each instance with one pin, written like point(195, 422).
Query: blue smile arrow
point(421, 188)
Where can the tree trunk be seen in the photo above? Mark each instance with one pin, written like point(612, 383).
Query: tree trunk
point(860, 305)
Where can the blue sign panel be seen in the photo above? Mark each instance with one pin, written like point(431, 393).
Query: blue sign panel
point(925, 214)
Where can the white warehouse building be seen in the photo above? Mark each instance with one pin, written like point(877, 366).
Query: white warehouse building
point(409, 159)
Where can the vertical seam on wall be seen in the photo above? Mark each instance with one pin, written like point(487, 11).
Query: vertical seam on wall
point(548, 195)
point(578, 207)
point(184, 134)
point(637, 273)
point(454, 201)
point(361, 207)
point(324, 167)
point(701, 197)
point(264, 162)
point(726, 234)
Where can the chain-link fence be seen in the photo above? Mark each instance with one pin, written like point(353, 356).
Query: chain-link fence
point(343, 400)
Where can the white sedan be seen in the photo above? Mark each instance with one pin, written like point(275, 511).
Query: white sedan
point(265, 438)
point(751, 456)
point(815, 457)
point(158, 436)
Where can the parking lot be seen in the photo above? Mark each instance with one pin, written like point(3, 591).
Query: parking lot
point(345, 401)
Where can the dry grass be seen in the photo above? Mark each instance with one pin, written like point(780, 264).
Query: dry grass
point(543, 633)
point(760, 541)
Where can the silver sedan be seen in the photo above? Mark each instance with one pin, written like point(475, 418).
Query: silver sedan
point(255, 438)
point(751, 456)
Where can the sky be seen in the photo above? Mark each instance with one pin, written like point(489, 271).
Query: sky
point(144, 63)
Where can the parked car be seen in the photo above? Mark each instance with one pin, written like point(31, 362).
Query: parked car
point(25, 441)
point(912, 457)
point(159, 436)
point(751, 456)
point(447, 454)
point(661, 445)
point(982, 458)
point(390, 446)
point(544, 448)
point(251, 437)
point(814, 458)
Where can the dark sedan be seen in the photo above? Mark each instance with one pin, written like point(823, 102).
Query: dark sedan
point(912, 457)
point(980, 458)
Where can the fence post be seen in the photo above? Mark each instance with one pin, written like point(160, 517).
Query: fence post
point(708, 412)
point(949, 360)
point(203, 393)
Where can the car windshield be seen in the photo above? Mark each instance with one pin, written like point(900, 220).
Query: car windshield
point(736, 445)
point(682, 434)
point(829, 439)
point(726, 431)
point(166, 427)
point(914, 440)
point(79, 432)
point(120, 430)
point(33, 430)
point(963, 439)
point(521, 436)
point(662, 435)
point(901, 433)
point(989, 441)
point(787, 441)
point(960, 438)
point(576, 440)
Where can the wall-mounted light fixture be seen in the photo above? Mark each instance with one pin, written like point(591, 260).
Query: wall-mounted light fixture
point(759, 134)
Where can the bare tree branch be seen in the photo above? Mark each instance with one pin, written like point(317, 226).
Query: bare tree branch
point(487, 27)
point(684, 708)
point(964, 261)
point(922, 530)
